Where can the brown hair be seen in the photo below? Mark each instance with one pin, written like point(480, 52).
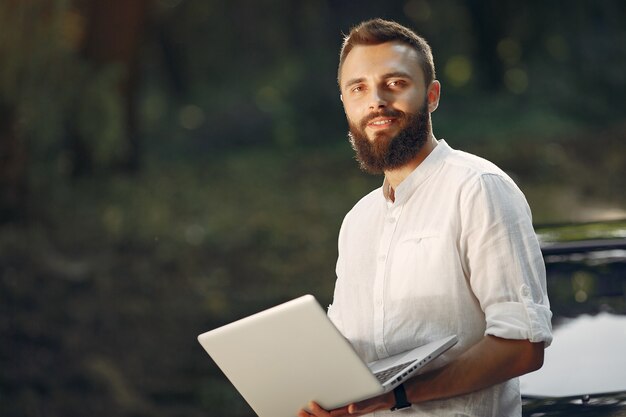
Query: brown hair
point(377, 31)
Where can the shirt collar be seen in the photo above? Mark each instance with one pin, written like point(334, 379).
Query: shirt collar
point(419, 174)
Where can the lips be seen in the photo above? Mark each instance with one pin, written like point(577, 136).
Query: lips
point(382, 120)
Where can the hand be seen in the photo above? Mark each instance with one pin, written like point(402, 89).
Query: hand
point(382, 402)
point(315, 410)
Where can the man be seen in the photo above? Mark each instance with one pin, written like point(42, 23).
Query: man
point(445, 246)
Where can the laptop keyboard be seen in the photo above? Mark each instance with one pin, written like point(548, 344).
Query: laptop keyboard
point(384, 375)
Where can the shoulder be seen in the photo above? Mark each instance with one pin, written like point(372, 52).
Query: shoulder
point(468, 171)
point(366, 204)
point(364, 215)
point(472, 165)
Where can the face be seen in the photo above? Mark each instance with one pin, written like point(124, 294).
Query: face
point(387, 104)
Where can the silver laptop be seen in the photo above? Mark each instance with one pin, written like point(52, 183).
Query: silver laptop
point(284, 357)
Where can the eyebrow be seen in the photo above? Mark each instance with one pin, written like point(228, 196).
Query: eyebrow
point(397, 74)
point(353, 82)
point(394, 74)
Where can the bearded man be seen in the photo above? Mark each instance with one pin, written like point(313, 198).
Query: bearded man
point(445, 246)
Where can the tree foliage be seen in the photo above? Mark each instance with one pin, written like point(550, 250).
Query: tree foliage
point(229, 112)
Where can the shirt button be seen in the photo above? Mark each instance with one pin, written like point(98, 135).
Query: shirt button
point(382, 258)
point(379, 302)
point(391, 220)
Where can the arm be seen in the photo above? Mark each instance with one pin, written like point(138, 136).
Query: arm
point(491, 361)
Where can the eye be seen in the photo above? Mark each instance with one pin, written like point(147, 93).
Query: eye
point(357, 89)
point(396, 83)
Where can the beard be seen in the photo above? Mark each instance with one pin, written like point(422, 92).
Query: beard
point(387, 152)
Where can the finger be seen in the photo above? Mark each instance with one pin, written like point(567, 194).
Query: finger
point(340, 412)
point(317, 410)
point(364, 407)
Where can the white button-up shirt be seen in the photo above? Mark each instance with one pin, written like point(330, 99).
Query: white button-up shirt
point(454, 253)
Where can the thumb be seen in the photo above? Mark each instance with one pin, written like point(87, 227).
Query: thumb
point(353, 409)
point(362, 407)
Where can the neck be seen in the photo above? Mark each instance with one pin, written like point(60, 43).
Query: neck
point(396, 176)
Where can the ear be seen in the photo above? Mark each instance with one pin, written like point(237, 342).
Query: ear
point(341, 97)
point(433, 93)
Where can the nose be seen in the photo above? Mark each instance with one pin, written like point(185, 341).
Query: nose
point(378, 99)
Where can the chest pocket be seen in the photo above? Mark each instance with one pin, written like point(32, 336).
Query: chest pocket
point(416, 261)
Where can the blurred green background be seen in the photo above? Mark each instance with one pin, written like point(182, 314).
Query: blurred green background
point(167, 166)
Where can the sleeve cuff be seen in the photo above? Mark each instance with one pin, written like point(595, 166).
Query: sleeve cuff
point(520, 320)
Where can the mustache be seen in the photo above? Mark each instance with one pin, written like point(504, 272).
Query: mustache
point(384, 113)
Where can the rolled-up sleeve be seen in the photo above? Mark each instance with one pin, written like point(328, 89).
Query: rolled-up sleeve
point(504, 262)
point(513, 320)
